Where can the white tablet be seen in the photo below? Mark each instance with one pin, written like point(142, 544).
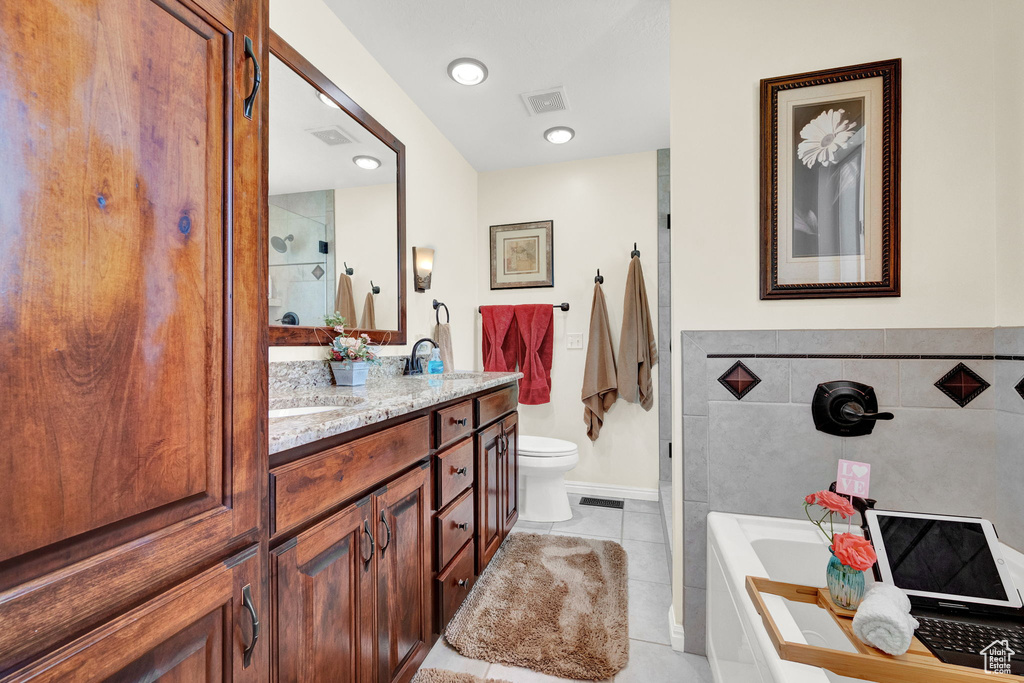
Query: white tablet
point(942, 557)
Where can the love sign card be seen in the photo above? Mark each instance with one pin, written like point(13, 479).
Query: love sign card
point(853, 478)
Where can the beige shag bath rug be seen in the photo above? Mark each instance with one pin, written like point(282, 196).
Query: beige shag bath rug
point(554, 604)
point(444, 676)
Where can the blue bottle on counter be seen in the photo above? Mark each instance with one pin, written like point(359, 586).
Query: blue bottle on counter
point(435, 366)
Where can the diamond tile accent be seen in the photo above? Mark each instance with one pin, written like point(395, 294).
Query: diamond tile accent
point(962, 384)
point(318, 272)
point(1020, 387)
point(739, 380)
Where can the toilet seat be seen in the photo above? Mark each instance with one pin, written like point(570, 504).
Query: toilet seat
point(545, 447)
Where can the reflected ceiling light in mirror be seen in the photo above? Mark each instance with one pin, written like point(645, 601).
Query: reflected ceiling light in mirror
point(467, 71)
point(327, 101)
point(423, 266)
point(559, 135)
point(367, 162)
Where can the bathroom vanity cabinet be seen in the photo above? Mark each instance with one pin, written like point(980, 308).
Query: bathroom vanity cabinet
point(374, 535)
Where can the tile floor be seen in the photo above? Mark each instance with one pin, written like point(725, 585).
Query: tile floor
point(639, 529)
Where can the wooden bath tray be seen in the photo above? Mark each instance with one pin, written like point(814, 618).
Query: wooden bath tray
point(918, 665)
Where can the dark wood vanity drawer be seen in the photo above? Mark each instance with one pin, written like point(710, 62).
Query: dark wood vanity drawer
point(306, 487)
point(454, 472)
point(454, 583)
point(494, 405)
point(454, 423)
point(454, 527)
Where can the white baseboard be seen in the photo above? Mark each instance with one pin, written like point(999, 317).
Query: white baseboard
point(611, 490)
point(675, 631)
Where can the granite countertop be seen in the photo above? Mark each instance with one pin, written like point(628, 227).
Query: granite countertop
point(380, 399)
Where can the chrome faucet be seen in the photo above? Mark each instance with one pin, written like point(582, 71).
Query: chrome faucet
point(413, 364)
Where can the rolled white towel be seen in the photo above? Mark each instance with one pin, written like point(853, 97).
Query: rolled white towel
point(883, 619)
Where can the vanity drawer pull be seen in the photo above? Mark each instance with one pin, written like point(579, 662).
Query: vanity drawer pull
point(454, 526)
point(461, 470)
point(461, 583)
point(454, 471)
point(462, 525)
point(462, 422)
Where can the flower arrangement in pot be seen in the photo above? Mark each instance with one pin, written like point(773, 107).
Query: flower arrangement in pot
point(851, 554)
point(350, 357)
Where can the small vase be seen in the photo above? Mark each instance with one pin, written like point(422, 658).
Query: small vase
point(349, 373)
point(845, 584)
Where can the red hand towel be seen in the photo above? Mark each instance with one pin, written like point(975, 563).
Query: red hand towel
point(500, 339)
point(536, 344)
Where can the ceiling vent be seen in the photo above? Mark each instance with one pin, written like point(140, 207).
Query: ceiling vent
point(545, 101)
point(332, 135)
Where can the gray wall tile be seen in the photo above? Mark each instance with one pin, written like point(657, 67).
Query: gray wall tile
point(1010, 479)
point(695, 379)
point(831, 341)
point(931, 461)
point(883, 375)
point(948, 340)
point(1009, 341)
point(695, 543)
point(1007, 374)
point(734, 341)
point(695, 458)
point(765, 459)
point(773, 372)
point(694, 620)
point(664, 161)
point(918, 378)
point(664, 462)
point(807, 373)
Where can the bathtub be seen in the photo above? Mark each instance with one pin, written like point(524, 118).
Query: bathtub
point(789, 550)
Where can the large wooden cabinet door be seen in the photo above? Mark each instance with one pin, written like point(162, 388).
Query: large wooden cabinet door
point(323, 594)
point(508, 498)
point(404, 597)
point(133, 308)
point(196, 632)
point(488, 484)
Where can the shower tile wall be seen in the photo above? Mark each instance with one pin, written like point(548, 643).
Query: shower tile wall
point(762, 454)
point(302, 279)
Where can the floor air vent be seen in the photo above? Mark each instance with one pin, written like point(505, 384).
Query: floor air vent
point(601, 502)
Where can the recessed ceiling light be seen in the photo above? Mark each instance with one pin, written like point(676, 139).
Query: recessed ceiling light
point(559, 135)
point(467, 71)
point(369, 163)
point(327, 100)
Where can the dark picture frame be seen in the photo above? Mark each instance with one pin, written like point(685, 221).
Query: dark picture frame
point(522, 255)
point(830, 183)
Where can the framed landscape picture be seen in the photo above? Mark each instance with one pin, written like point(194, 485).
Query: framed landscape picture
point(830, 183)
point(522, 255)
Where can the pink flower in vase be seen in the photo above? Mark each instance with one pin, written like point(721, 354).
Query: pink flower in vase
point(832, 502)
point(853, 551)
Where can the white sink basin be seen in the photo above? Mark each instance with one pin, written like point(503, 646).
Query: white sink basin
point(304, 410)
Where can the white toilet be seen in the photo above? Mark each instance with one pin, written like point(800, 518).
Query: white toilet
point(543, 463)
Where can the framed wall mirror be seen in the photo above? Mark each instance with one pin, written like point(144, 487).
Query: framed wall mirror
point(336, 210)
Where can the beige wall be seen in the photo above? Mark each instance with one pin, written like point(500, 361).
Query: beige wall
point(599, 208)
point(961, 162)
point(442, 187)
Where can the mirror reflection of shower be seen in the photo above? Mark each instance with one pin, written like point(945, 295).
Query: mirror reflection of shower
point(281, 245)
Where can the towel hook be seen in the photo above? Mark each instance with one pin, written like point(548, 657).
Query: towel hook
point(348, 271)
point(600, 278)
point(437, 312)
point(636, 252)
point(374, 288)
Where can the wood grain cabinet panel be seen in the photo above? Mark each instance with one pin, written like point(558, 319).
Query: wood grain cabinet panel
point(488, 481)
point(323, 591)
point(455, 472)
point(454, 423)
point(509, 490)
point(304, 488)
point(404, 597)
point(196, 632)
point(454, 527)
point(496, 404)
point(132, 321)
point(454, 583)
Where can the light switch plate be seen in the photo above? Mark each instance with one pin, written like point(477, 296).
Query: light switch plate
point(574, 340)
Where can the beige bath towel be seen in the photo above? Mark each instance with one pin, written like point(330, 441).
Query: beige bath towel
point(368, 321)
point(443, 337)
point(344, 303)
point(638, 350)
point(599, 381)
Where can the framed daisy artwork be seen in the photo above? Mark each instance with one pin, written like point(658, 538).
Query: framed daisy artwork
point(830, 183)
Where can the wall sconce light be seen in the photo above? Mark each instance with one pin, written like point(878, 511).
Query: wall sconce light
point(423, 265)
